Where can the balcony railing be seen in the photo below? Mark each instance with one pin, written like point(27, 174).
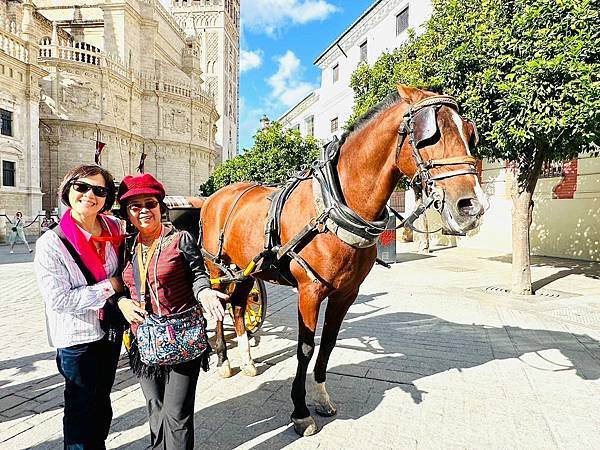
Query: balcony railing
point(146, 81)
point(11, 43)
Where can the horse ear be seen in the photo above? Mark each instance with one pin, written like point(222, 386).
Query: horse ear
point(410, 94)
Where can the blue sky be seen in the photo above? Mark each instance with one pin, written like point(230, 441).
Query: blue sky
point(279, 42)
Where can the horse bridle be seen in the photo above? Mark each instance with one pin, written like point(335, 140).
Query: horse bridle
point(423, 180)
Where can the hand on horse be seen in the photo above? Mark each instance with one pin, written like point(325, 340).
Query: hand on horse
point(211, 302)
point(131, 310)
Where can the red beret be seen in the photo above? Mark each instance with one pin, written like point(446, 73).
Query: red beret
point(144, 184)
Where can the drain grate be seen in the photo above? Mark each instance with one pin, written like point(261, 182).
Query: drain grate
point(457, 269)
point(546, 293)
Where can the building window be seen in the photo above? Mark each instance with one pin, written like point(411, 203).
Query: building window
point(334, 124)
point(402, 21)
point(6, 122)
point(310, 125)
point(551, 169)
point(8, 173)
point(336, 72)
point(296, 127)
point(363, 52)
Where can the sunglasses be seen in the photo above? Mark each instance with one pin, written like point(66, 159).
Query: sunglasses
point(137, 207)
point(83, 187)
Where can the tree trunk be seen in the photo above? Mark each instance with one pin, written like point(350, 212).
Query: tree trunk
point(522, 216)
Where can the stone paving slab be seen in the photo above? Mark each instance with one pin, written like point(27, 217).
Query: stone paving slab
point(418, 365)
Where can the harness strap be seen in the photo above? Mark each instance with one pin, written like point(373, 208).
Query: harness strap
point(222, 233)
point(453, 173)
point(273, 222)
point(451, 161)
point(434, 100)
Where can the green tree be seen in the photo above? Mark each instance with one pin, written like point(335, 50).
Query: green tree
point(276, 154)
point(527, 71)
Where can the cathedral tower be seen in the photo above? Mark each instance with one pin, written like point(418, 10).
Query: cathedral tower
point(217, 24)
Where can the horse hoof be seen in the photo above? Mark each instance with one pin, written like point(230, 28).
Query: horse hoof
point(225, 370)
point(326, 410)
point(305, 427)
point(249, 370)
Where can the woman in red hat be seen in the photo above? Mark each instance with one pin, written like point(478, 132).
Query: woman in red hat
point(165, 275)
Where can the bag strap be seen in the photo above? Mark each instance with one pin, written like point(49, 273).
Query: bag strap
point(76, 257)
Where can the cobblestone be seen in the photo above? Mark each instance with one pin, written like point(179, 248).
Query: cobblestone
point(425, 359)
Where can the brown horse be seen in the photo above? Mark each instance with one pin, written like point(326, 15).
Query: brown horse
point(433, 143)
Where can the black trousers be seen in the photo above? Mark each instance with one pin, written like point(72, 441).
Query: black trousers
point(170, 403)
point(89, 372)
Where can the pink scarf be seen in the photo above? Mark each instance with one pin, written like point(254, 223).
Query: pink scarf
point(87, 249)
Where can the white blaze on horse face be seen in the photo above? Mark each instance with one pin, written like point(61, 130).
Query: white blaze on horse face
point(481, 197)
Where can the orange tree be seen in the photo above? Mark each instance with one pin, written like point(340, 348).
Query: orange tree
point(527, 71)
point(276, 154)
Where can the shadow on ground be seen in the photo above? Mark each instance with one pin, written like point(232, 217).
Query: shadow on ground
point(567, 267)
point(414, 346)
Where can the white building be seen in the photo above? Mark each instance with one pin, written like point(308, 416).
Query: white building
point(20, 185)
point(381, 28)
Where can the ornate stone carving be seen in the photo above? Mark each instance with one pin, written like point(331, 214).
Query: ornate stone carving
point(202, 130)
point(120, 106)
point(176, 121)
point(80, 98)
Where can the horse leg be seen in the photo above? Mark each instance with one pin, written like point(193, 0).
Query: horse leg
point(223, 365)
point(337, 307)
point(308, 313)
point(239, 299)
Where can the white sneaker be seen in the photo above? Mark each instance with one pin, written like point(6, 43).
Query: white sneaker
point(12, 251)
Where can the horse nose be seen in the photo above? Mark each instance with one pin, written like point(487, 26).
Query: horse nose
point(469, 207)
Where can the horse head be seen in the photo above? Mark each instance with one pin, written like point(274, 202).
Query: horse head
point(434, 151)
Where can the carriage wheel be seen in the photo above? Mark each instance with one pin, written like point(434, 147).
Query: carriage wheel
point(256, 307)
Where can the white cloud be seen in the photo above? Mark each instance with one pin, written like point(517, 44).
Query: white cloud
point(287, 84)
point(250, 60)
point(270, 15)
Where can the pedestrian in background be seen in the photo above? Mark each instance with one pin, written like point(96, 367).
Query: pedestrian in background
point(17, 232)
point(44, 226)
point(77, 266)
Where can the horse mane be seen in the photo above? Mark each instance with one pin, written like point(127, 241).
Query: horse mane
point(365, 118)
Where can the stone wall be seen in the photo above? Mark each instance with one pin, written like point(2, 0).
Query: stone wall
point(172, 124)
point(19, 94)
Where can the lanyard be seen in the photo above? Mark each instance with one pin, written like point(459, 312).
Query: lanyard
point(143, 269)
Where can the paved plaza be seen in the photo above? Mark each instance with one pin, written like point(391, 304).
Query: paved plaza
point(432, 355)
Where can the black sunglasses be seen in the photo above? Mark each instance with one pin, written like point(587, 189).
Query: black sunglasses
point(137, 207)
point(83, 187)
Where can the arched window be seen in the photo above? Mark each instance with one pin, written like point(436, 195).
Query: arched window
point(44, 51)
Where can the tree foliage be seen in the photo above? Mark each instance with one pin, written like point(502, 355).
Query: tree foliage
point(527, 71)
point(275, 155)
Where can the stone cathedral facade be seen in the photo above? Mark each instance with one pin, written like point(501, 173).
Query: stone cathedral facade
point(217, 24)
point(125, 73)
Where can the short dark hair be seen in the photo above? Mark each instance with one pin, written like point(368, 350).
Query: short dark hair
point(83, 171)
